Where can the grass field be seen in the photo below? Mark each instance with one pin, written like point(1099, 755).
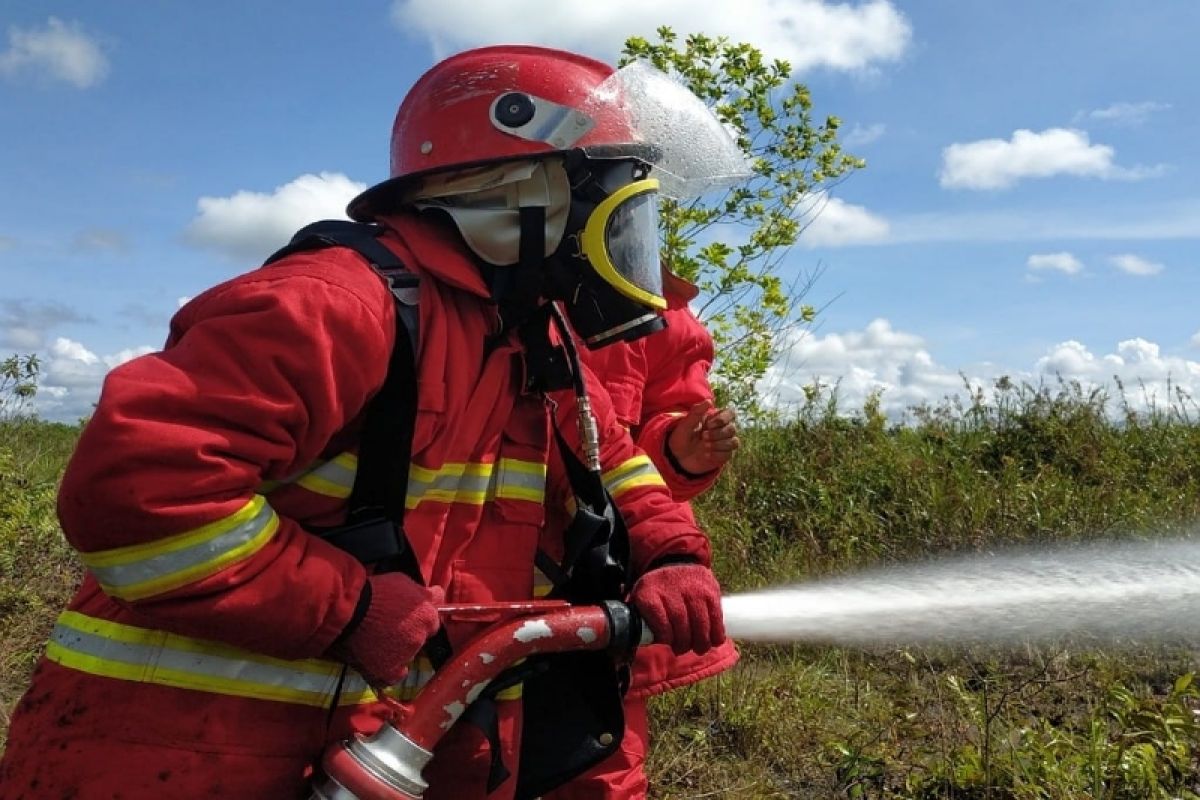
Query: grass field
point(826, 492)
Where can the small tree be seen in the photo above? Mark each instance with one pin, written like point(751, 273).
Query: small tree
point(745, 302)
point(18, 384)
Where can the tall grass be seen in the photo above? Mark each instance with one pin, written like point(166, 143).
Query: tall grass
point(825, 492)
point(38, 572)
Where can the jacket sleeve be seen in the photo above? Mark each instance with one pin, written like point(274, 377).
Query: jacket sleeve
point(659, 526)
point(678, 360)
point(160, 497)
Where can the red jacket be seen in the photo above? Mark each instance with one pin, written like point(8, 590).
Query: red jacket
point(191, 484)
point(652, 382)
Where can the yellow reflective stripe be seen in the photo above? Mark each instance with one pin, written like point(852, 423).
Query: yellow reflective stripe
point(471, 483)
point(511, 693)
point(542, 585)
point(453, 482)
point(522, 480)
point(477, 483)
point(637, 471)
point(332, 478)
point(633, 483)
point(636, 463)
point(134, 573)
point(179, 541)
point(115, 650)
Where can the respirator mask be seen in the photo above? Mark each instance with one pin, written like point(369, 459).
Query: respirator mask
point(606, 271)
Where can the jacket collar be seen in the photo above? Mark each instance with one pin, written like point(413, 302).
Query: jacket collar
point(438, 249)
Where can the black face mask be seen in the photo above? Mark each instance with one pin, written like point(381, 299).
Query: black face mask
point(598, 312)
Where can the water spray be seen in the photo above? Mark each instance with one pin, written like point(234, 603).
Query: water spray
point(1148, 591)
point(1144, 591)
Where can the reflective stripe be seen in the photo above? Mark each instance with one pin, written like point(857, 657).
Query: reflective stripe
point(451, 483)
point(143, 570)
point(637, 471)
point(125, 652)
point(521, 480)
point(542, 585)
point(121, 651)
point(334, 478)
point(469, 483)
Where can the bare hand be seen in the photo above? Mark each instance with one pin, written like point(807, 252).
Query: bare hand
point(704, 439)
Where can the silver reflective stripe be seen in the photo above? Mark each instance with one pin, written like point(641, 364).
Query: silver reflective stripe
point(637, 471)
point(204, 666)
point(125, 652)
point(114, 650)
point(453, 483)
point(522, 480)
point(334, 478)
point(132, 573)
point(470, 483)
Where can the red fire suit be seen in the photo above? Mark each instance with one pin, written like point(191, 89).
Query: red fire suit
point(190, 663)
point(652, 382)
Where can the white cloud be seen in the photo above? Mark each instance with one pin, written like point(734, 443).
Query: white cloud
point(252, 225)
point(1135, 265)
point(860, 363)
point(807, 33)
point(1125, 113)
point(60, 51)
point(1057, 262)
point(901, 366)
point(72, 376)
point(837, 223)
point(861, 135)
point(1000, 163)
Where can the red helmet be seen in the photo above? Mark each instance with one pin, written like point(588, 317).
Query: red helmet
point(496, 104)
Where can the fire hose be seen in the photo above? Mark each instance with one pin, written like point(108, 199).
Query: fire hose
point(1106, 591)
point(387, 765)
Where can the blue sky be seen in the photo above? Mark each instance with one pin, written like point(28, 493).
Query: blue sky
point(1029, 206)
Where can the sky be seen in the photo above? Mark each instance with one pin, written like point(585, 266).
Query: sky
point(1029, 207)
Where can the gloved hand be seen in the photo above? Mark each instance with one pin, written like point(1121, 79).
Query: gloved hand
point(401, 616)
point(681, 604)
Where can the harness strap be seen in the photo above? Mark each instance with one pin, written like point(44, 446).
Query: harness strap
point(374, 529)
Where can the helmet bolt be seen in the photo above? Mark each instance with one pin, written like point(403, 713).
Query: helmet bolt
point(514, 109)
point(426, 148)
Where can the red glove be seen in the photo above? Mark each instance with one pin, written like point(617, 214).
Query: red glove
point(400, 617)
point(681, 604)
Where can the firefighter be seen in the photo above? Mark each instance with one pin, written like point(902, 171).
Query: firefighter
point(660, 392)
point(219, 643)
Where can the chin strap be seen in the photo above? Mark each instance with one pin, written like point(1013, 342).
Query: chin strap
point(518, 290)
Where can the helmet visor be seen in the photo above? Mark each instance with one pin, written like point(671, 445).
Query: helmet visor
point(620, 241)
point(691, 150)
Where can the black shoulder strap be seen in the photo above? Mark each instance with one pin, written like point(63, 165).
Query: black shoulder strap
point(374, 531)
point(363, 238)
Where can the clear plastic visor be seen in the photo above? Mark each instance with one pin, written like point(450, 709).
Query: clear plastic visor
point(691, 150)
point(631, 239)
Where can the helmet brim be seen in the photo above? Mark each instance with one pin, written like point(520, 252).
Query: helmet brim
point(392, 194)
